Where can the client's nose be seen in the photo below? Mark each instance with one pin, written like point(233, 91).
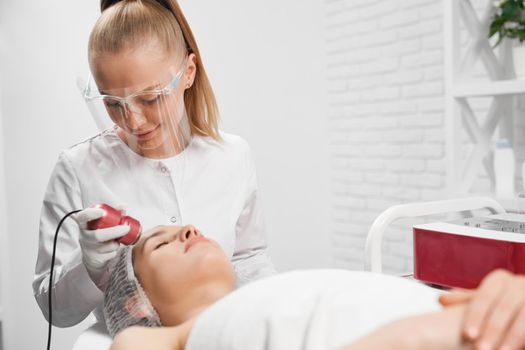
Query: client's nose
point(188, 232)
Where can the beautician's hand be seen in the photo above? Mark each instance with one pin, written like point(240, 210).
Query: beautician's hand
point(98, 246)
point(495, 312)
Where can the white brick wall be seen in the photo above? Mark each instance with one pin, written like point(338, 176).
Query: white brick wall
point(385, 67)
point(386, 119)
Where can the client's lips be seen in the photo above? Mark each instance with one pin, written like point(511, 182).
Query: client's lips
point(194, 240)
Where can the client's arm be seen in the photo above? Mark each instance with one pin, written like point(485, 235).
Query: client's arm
point(435, 331)
point(489, 317)
point(495, 312)
point(439, 330)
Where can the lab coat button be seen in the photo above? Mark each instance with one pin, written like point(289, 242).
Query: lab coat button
point(173, 219)
point(163, 169)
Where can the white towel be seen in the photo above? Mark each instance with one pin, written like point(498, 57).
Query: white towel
point(307, 310)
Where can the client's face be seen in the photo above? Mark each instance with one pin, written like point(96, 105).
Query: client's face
point(181, 270)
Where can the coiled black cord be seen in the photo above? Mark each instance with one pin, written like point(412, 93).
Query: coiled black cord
point(50, 290)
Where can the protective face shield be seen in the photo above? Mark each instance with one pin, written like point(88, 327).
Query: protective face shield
point(150, 117)
point(125, 302)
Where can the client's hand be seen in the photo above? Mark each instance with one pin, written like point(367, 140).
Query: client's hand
point(140, 338)
point(495, 312)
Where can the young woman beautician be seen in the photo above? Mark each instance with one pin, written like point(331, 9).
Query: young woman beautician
point(159, 155)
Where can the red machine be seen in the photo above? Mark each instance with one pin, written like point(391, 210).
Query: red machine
point(460, 253)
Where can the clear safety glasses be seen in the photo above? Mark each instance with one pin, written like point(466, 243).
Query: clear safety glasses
point(150, 101)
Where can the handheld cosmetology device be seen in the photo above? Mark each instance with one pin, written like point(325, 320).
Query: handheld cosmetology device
point(461, 253)
point(111, 217)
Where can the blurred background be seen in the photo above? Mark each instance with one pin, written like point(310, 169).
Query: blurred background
point(350, 107)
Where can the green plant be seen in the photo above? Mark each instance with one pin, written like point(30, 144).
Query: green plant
point(509, 20)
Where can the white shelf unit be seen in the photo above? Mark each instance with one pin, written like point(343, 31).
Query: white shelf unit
point(488, 89)
point(500, 87)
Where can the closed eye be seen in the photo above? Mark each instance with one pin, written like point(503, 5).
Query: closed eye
point(160, 245)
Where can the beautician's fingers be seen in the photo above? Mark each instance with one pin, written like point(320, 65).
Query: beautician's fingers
point(86, 215)
point(499, 320)
point(456, 296)
point(515, 338)
point(483, 302)
point(110, 233)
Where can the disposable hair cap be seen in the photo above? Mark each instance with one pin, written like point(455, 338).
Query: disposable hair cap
point(125, 302)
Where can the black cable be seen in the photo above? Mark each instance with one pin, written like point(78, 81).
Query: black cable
point(50, 290)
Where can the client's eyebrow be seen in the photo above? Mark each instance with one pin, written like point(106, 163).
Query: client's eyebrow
point(150, 236)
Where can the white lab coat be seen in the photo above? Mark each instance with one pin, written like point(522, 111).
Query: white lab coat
point(210, 185)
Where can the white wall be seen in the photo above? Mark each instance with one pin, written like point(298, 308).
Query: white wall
point(5, 325)
point(42, 114)
point(386, 106)
point(265, 61)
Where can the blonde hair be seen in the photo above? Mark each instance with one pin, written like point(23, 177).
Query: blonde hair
point(126, 24)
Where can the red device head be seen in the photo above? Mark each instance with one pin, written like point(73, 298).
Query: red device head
point(113, 217)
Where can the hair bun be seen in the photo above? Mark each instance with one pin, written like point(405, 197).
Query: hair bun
point(105, 4)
